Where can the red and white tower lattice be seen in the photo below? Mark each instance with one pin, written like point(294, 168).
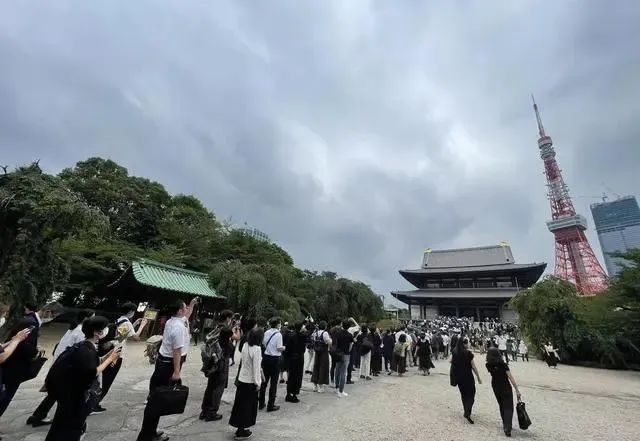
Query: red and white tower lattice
point(575, 260)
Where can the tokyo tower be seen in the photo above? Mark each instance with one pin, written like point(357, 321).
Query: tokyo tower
point(575, 260)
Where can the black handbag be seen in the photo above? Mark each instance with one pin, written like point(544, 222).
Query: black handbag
point(523, 418)
point(452, 376)
point(168, 400)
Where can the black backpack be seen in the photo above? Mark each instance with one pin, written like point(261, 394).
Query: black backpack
point(57, 380)
point(318, 343)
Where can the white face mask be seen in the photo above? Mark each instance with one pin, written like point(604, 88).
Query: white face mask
point(104, 333)
point(2, 321)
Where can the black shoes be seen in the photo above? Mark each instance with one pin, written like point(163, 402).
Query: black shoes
point(507, 433)
point(273, 408)
point(260, 406)
point(468, 418)
point(349, 382)
point(292, 399)
point(98, 409)
point(243, 434)
point(212, 417)
point(362, 376)
point(36, 422)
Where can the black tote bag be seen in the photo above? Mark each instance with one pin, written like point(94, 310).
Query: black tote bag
point(523, 418)
point(168, 400)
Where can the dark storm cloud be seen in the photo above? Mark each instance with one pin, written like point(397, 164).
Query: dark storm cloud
point(354, 133)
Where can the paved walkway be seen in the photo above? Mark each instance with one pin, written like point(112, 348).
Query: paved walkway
point(565, 404)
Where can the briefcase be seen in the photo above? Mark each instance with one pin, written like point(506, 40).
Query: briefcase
point(523, 418)
point(168, 400)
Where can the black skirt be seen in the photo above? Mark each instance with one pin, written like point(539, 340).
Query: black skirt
point(320, 368)
point(245, 406)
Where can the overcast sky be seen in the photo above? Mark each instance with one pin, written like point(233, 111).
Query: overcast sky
point(354, 133)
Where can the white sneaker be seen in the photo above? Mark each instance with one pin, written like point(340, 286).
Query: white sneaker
point(320, 390)
point(339, 394)
point(344, 394)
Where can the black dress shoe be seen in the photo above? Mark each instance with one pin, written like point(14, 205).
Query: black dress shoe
point(35, 422)
point(261, 406)
point(202, 415)
point(292, 399)
point(468, 418)
point(212, 417)
point(273, 408)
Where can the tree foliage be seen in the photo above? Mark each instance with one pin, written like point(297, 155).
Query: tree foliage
point(604, 330)
point(75, 233)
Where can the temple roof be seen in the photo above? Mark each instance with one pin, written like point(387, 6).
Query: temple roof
point(488, 261)
point(456, 293)
point(168, 278)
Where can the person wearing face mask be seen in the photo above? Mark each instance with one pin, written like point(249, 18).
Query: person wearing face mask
point(70, 378)
point(125, 330)
point(73, 336)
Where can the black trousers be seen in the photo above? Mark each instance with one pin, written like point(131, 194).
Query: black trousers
point(296, 372)
point(504, 396)
point(271, 369)
point(108, 377)
point(213, 395)
point(10, 388)
point(161, 377)
point(69, 421)
point(468, 396)
point(44, 407)
point(387, 361)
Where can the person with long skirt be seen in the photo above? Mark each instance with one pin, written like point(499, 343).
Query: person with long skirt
point(463, 370)
point(501, 382)
point(376, 352)
point(69, 383)
point(551, 355)
point(321, 341)
point(248, 382)
point(294, 353)
point(423, 351)
point(388, 342)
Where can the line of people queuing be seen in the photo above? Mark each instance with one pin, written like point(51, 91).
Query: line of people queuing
point(91, 354)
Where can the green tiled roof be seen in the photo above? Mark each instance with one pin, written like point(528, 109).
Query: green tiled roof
point(171, 278)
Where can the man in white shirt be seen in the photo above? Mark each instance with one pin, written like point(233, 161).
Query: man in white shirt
point(273, 349)
point(124, 331)
point(445, 341)
point(501, 341)
point(171, 356)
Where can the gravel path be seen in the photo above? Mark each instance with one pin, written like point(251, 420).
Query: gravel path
point(565, 404)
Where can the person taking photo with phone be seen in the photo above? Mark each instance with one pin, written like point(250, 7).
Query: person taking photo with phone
point(70, 378)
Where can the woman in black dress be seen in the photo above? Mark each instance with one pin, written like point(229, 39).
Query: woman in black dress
point(376, 352)
point(295, 349)
point(463, 370)
point(424, 354)
point(501, 382)
point(321, 341)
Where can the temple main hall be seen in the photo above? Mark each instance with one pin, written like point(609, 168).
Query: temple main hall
point(467, 282)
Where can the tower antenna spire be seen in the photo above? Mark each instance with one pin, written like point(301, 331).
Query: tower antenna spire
point(540, 126)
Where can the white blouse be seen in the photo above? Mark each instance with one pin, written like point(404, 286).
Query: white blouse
point(250, 372)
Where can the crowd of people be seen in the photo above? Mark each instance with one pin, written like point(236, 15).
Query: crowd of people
point(89, 356)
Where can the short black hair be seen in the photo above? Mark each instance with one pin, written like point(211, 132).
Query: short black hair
point(128, 307)
point(31, 305)
point(346, 324)
point(94, 324)
point(247, 324)
point(322, 325)
point(175, 306)
point(225, 315)
point(255, 337)
point(274, 322)
point(80, 317)
point(402, 338)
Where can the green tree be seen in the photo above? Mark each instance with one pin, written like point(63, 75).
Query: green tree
point(38, 214)
point(134, 205)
